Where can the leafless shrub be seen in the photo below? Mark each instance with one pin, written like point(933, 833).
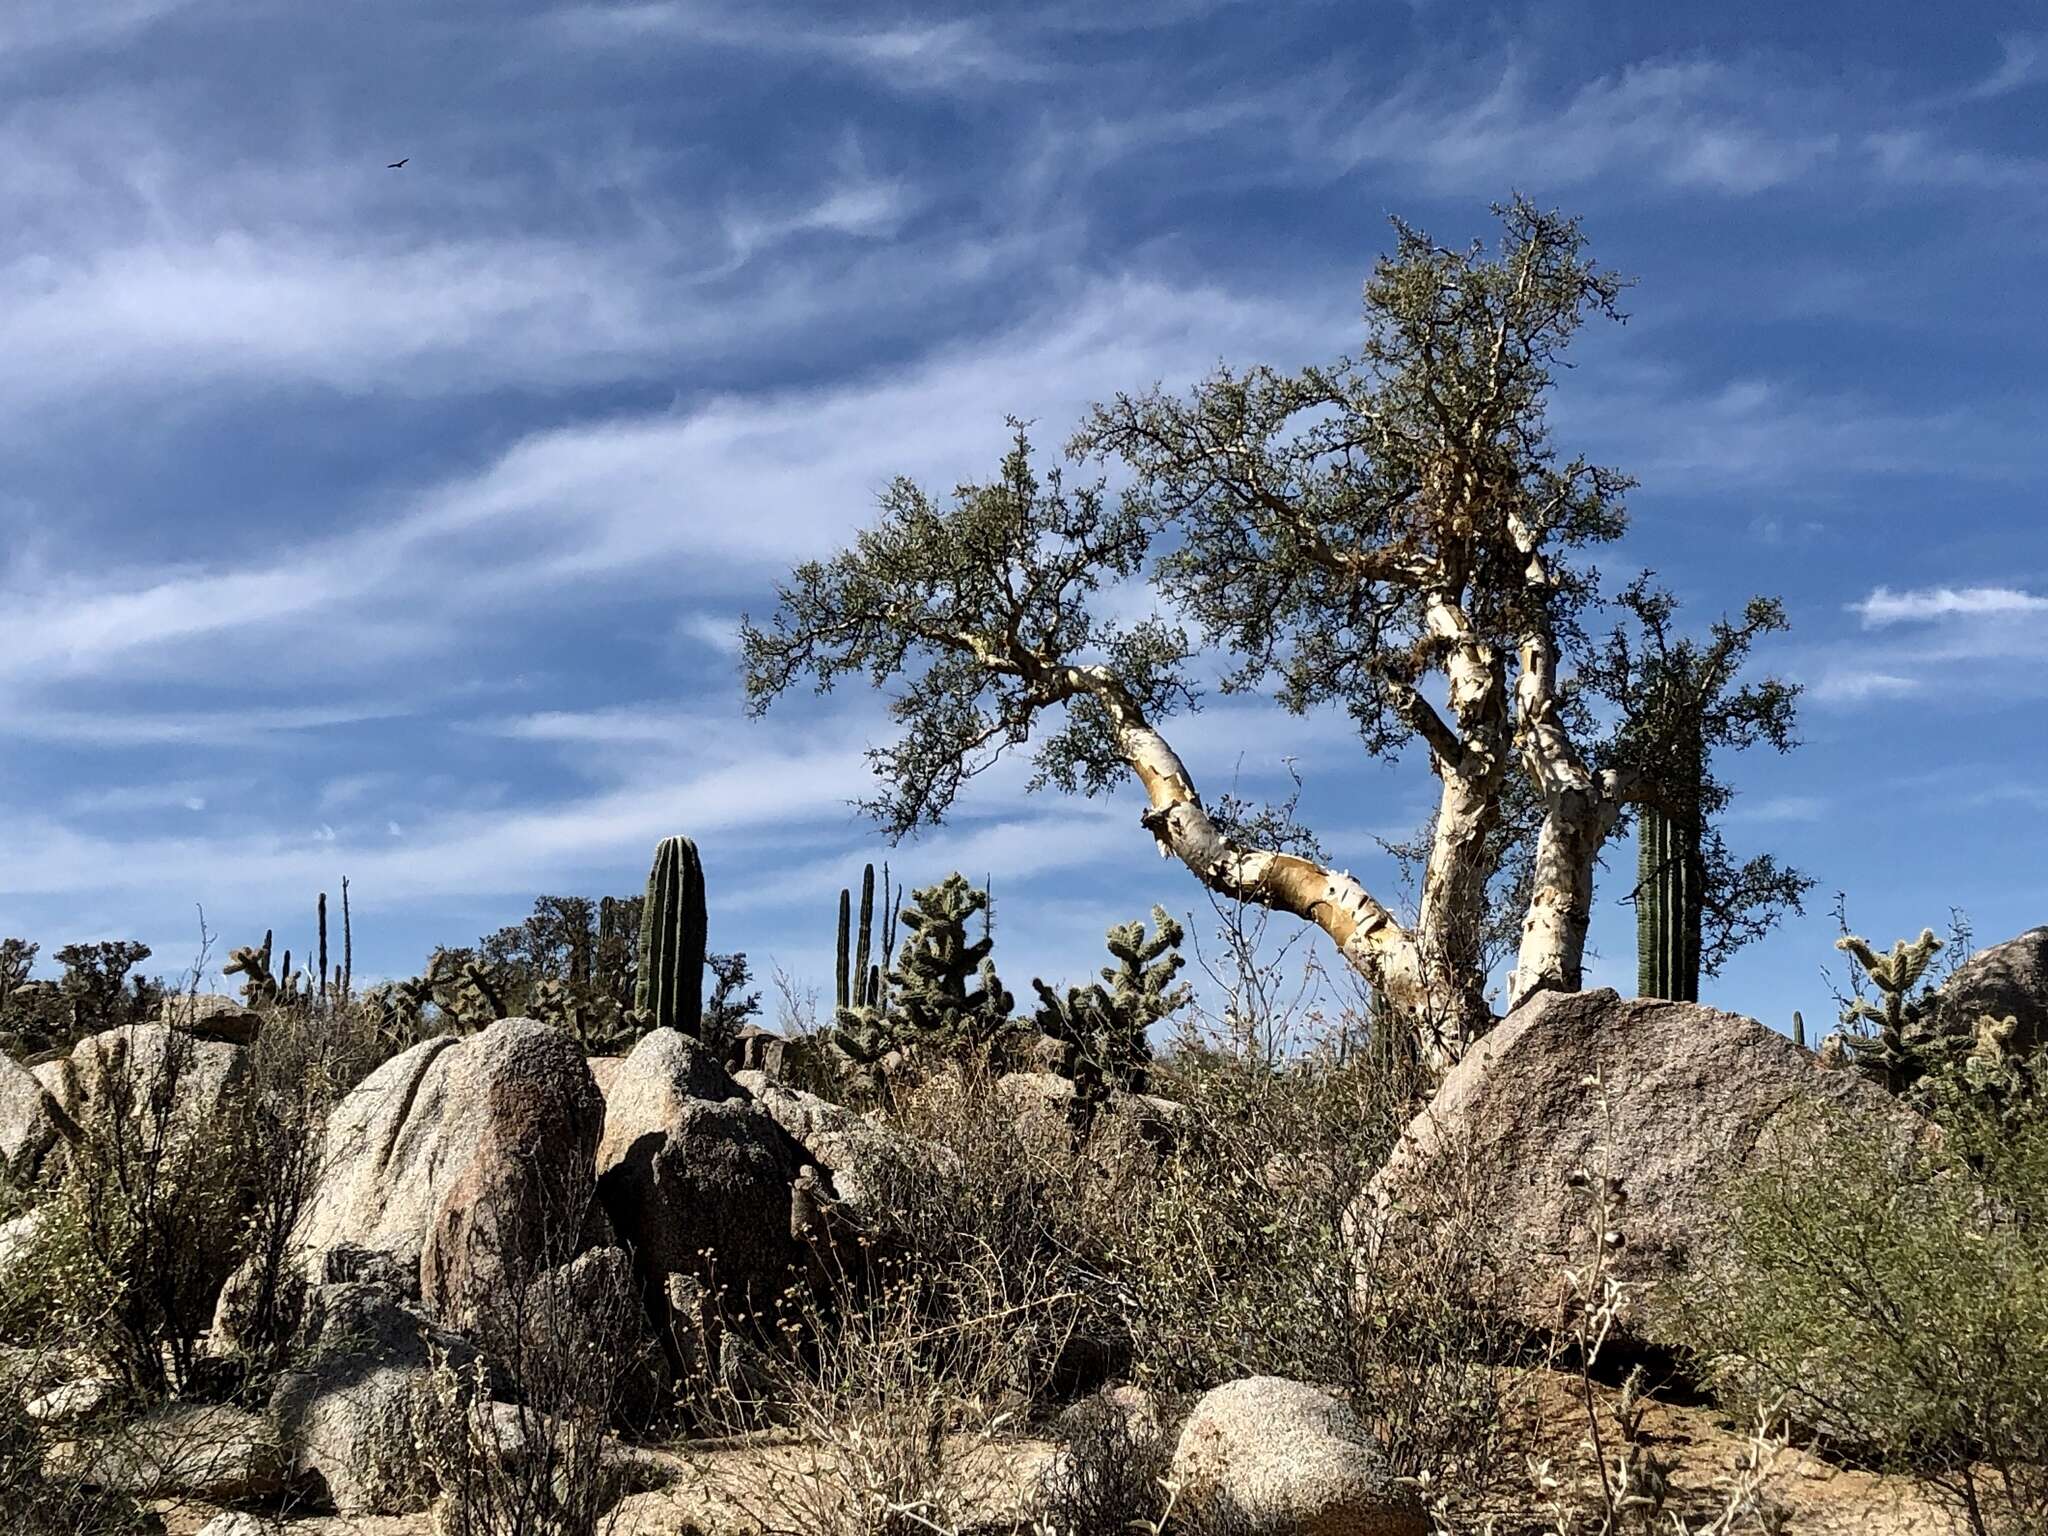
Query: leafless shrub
point(520, 1440)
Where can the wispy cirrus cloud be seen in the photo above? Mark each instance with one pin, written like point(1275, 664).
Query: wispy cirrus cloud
point(910, 57)
point(1690, 123)
point(2022, 63)
point(737, 485)
point(31, 26)
point(1860, 685)
point(1923, 604)
point(1951, 643)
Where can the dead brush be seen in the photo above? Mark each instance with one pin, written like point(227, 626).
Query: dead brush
point(881, 1402)
point(522, 1440)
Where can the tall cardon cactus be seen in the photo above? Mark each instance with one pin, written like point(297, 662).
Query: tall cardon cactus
point(669, 991)
point(1670, 905)
point(857, 977)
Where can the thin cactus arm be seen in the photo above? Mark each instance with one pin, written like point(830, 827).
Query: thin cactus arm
point(842, 983)
point(862, 948)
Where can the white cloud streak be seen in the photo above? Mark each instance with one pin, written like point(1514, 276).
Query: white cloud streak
point(1926, 604)
point(739, 485)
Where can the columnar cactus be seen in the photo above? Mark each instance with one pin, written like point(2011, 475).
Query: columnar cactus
point(669, 991)
point(1670, 905)
point(842, 988)
point(867, 920)
point(618, 941)
point(858, 977)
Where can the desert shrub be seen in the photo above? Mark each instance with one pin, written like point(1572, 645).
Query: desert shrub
point(1896, 1296)
point(139, 1225)
point(141, 1221)
point(1005, 1197)
point(39, 1500)
point(888, 1385)
point(1216, 1242)
point(43, 1019)
point(1241, 1257)
point(1108, 1480)
point(300, 1065)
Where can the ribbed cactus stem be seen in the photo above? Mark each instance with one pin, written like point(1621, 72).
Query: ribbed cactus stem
point(670, 989)
point(348, 945)
point(867, 921)
point(1669, 907)
point(841, 977)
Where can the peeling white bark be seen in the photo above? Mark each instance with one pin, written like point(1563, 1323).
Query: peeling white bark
point(1470, 764)
point(1580, 809)
point(1366, 934)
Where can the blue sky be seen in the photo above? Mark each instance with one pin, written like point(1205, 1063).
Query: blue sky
point(395, 523)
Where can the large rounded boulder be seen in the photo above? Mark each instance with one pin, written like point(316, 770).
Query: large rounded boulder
point(2008, 980)
point(516, 1206)
point(1292, 1459)
point(129, 1071)
point(695, 1176)
point(865, 1161)
point(459, 1164)
point(1579, 1103)
point(32, 1122)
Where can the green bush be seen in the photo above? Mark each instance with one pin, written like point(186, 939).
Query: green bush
point(1895, 1296)
point(137, 1228)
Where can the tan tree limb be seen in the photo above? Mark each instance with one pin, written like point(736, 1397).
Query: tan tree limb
point(1370, 938)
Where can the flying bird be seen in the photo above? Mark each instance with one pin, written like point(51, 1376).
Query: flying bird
point(397, 164)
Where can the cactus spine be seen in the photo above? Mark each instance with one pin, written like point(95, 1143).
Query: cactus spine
point(670, 987)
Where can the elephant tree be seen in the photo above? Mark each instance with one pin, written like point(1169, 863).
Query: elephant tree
point(1393, 534)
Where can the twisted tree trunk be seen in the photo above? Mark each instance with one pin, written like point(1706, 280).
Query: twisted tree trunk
point(1579, 812)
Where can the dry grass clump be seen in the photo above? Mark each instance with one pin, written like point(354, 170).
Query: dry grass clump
point(1178, 1245)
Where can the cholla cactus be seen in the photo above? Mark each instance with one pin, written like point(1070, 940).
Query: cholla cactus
point(263, 987)
point(1986, 1079)
point(599, 1024)
point(252, 964)
point(932, 984)
point(461, 987)
point(1895, 1052)
point(398, 1009)
point(929, 1003)
point(1104, 1028)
